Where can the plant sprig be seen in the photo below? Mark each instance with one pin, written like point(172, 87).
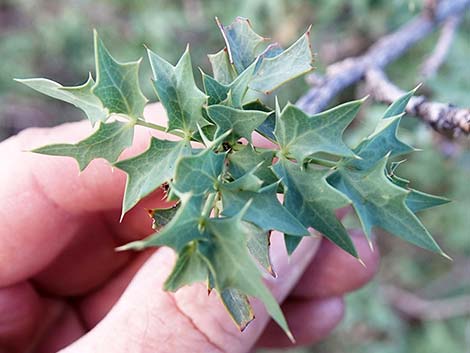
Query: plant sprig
point(226, 193)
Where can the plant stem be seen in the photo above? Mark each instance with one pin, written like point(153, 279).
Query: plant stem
point(159, 128)
point(209, 205)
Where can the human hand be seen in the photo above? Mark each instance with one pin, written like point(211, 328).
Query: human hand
point(61, 280)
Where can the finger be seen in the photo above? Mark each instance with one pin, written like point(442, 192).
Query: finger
point(333, 272)
point(45, 199)
point(20, 311)
point(94, 306)
point(85, 263)
point(310, 322)
point(160, 318)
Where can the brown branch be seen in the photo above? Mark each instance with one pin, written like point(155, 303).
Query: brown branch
point(349, 71)
point(444, 118)
point(415, 307)
point(443, 45)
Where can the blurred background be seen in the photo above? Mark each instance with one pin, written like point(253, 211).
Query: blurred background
point(53, 39)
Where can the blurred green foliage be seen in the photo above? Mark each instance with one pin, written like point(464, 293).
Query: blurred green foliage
point(53, 39)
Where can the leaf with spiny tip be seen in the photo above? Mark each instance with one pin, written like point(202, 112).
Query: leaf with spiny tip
point(314, 201)
point(147, 171)
point(180, 231)
point(301, 135)
point(382, 142)
point(231, 264)
point(241, 122)
point(199, 173)
point(107, 142)
point(265, 210)
point(398, 107)
point(289, 64)
point(117, 84)
point(379, 202)
point(247, 158)
point(243, 44)
point(222, 69)
point(178, 93)
point(79, 96)
point(190, 267)
point(162, 216)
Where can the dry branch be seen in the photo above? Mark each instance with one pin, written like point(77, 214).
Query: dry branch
point(443, 117)
point(439, 54)
point(349, 71)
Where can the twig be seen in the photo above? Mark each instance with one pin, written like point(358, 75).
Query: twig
point(437, 57)
point(443, 117)
point(389, 48)
point(415, 307)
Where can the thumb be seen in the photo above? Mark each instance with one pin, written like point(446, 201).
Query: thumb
point(148, 319)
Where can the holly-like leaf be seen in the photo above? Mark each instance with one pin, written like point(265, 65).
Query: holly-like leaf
point(241, 122)
point(238, 307)
point(301, 135)
point(162, 216)
point(79, 96)
point(216, 91)
point(258, 245)
point(398, 107)
point(177, 91)
point(246, 159)
point(223, 71)
point(190, 267)
point(313, 201)
point(107, 142)
point(243, 44)
point(265, 211)
point(291, 63)
point(415, 200)
point(382, 142)
point(199, 173)
point(379, 202)
point(147, 171)
point(180, 231)
point(231, 265)
point(418, 201)
point(117, 84)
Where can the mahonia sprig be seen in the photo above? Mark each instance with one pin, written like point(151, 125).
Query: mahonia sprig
point(226, 193)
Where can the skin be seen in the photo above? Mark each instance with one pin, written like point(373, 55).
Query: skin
point(62, 285)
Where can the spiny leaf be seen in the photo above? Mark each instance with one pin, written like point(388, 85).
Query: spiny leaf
point(176, 89)
point(79, 96)
point(243, 44)
point(314, 201)
point(301, 135)
point(238, 306)
point(190, 267)
point(398, 107)
point(258, 245)
point(180, 231)
point(107, 142)
point(416, 200)
point(199, 173)
point(265, 210)
point(247, 158)
point(378, 202)
point(223, 70)
point(241, 122)
point(382, 142)
point(147, 171)
point(216, 91)
point(231, 264)
point(162, 216)
point(117, 84)
point(274, 71)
